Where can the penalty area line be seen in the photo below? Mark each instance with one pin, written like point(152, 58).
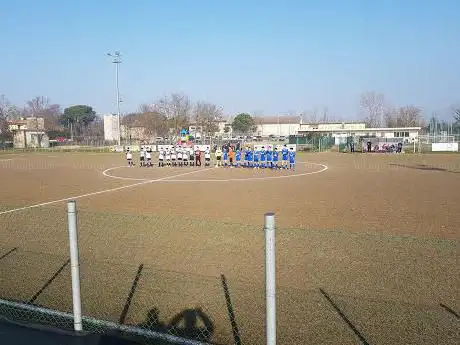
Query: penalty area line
point(75, 197)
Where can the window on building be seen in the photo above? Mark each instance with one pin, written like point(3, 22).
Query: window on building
point(406, 134)
point(396, 134)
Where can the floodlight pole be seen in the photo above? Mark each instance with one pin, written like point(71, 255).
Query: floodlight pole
point(117, 61)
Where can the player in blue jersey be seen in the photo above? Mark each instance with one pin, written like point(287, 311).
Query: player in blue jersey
point(275, 159)
point(269, 158)
point(263, 158)
point(250, 162)
point(238, 158)
point(292, 158)
point(284, 157)
point(256, 158)
point(225, 157)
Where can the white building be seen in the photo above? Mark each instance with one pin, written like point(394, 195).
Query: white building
point(278, 126)
point(341, 131)
point(111, 128)
point(29, 132)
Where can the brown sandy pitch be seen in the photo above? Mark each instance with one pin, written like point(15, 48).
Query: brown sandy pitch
point(208, 228)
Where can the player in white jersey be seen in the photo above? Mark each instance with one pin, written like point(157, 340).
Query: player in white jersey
point(168, 157)
point(191, 156)
point(218, 157)
point(129, 158)
point(174, 158)
point(207, 157)
point(179, 156)
point(142, 157)
point(148, 157)
point(185, 157)
point(161, 158)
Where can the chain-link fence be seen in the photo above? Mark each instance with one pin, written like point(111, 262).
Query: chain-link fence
point(313, 143)
point(133, 281)
point(438, 143)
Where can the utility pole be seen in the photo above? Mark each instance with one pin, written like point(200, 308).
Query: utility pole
point(117, 61)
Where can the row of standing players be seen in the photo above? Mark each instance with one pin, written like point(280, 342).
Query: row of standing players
point(226, 157)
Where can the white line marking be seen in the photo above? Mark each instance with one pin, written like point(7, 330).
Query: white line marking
point(97, 193)
point(9, 159)
point(102, 153)
point(122, 178)
point(324, 168)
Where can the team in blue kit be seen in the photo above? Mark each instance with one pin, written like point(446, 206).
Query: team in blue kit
point(263, 158)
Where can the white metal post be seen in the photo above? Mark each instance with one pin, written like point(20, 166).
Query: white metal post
point(117, 62)
point(270, 277)
point(74, 265)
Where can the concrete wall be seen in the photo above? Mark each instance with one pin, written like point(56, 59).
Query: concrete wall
point(333, 126)
point(282, 129)
point(37, 139)
point(110, 127)
point(30, 139)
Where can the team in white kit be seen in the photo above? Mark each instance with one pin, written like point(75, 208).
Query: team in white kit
point(171, 157)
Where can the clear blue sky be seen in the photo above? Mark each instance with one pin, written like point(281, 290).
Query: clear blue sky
point(265, 56)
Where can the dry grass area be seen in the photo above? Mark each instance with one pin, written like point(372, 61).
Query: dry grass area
point(379, 233)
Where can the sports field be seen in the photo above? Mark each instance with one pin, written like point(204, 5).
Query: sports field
point(367, 245)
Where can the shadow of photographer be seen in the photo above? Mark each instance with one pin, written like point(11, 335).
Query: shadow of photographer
point(190, 323)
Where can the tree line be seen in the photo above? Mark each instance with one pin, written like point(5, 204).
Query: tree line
point(171, 113)
point(377, 112)
point(77, 120)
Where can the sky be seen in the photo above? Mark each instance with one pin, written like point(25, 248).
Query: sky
point(264, 57)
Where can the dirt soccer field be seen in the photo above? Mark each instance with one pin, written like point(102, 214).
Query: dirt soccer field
point(367, 245)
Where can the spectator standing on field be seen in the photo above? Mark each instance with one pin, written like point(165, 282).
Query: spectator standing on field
point(197, 157)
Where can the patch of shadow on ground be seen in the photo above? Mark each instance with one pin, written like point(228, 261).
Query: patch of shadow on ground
point(423, 167)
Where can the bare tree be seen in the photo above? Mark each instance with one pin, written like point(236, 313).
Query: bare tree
point(153, 123)
point(325, 116)
point(390, 118)
point(410, 116)
point(147, 108)
point(373, 105)
point(456, 114)
point(406, 116)
point(177, 110)
point(309, 116)
point(207, 116)
point(8, 112)
point(41, 106)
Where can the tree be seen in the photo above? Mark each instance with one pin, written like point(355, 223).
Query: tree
point(41, 106)
point(8, 112)
point(206, 116)
point(79, 116)
point(176, 108)
point(406, 116)
point(243, 123)
point(373, 105)
point(457, 115)
point(154, 123)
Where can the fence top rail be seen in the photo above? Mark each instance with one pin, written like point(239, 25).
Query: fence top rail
point(106, 324)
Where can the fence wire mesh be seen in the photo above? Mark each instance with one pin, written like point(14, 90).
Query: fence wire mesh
point(133, 279)
point(425, 142)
